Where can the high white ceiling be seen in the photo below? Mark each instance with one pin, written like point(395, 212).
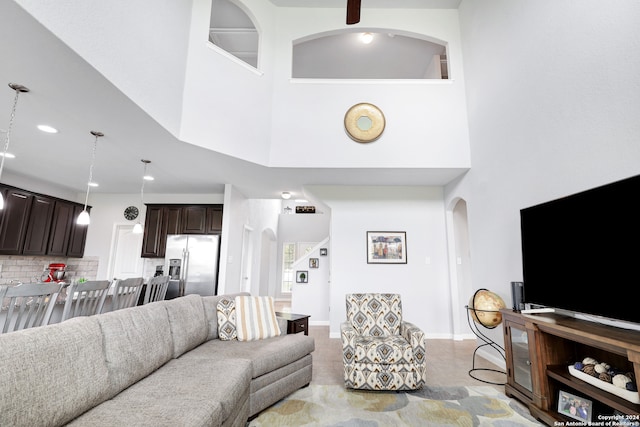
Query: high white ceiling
point(67, 93)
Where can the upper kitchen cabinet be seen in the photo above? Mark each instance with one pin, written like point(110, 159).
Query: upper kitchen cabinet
point(15, 218)
point(203, 219)
point(66, 237)
point(162, 220)
point(37, 237)
point(34, 224)
point(78, 235)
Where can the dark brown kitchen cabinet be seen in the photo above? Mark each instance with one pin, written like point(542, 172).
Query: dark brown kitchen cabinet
point(214, 219)
point(154, 232)
point(36, 224)
point(15, 218)
point(162, 220)
point(78, 235)
point(60, 228)
point(194, 220)
point(37, 237)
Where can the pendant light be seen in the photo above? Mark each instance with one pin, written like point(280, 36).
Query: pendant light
point(83, 218)
point(18, 89)
point(137, 229)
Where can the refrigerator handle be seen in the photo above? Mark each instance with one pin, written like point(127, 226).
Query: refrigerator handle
point(185, 263)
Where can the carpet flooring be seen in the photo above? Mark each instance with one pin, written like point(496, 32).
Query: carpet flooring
point(333, 405)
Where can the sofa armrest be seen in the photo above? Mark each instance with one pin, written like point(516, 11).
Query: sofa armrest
point(415, 336)
point(282, 324)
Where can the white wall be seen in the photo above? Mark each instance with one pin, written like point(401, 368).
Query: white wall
point(151, 70)
point(422, 282)
point(257, 214)
point(552, 94)
point(299, 228)
point(312, 297)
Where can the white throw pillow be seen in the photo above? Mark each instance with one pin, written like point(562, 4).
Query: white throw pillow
point(255, 318)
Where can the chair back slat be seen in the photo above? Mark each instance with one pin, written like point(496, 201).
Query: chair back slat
point(126, 293)
point(85, 299)
point(28, 305)
point(156, 289)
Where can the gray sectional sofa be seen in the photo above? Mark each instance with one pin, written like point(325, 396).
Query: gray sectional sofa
point(159, 364)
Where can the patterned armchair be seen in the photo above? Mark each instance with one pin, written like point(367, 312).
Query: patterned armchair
point(379, 350)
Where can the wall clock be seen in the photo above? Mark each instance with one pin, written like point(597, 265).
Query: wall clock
point(364, 122)
point(131, 213)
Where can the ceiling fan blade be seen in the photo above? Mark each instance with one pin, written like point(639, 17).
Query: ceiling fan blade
point(353, 11)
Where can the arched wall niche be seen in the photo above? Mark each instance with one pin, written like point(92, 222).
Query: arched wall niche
point(369, 53)
point(232, 28)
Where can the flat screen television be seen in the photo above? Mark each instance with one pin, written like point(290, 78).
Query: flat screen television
point(581, 253)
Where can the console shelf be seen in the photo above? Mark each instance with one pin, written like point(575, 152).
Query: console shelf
point(554, 343)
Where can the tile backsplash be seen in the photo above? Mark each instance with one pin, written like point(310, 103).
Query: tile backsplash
point(26, 269)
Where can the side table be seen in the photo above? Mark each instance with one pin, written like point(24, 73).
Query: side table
point(295, 322)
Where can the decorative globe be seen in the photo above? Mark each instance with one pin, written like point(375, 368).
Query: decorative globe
point(485, 308)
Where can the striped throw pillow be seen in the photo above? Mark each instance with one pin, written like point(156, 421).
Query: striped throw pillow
point(255, 318)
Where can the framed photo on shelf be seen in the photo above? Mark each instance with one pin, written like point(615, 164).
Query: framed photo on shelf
point(575, 407)
point(302, 276)
point(313, 263)
point(386, 247)
point(323, 251)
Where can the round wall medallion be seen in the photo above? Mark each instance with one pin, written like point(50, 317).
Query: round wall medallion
point(131, 213)
point(364, 122)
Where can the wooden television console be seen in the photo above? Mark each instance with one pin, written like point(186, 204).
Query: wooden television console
point(541, 347)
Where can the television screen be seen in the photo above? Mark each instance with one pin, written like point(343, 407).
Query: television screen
point(581, 253)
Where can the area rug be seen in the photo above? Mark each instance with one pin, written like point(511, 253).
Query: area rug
point(333, 405)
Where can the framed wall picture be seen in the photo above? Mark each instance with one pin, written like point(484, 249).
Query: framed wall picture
point(575, 407)
point(323, 251)
point(302, 276)
point(313, 263)
point(386, 247)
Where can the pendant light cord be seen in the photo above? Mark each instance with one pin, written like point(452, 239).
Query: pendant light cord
point(8, 136)
point(93, 159)
point(144, 174)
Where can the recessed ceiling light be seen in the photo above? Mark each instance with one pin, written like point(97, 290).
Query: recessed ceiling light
point(93, 184)
point(47, 129)
point(366, 38)
point(148, 178)
point(8, 156)
point(286, 195)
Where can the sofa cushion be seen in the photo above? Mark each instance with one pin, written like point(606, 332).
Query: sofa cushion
point(182, 393)
point(226, 310)
point(255, 318)
point(265, 355)
point(52, 373)
point(188, 321)
point(136, 342)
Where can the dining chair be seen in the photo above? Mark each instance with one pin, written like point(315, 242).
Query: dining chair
point(126, 292)
point(85, 299)
point(156, 289)
point(28, 305)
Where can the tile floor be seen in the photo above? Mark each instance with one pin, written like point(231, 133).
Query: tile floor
point(448, 362)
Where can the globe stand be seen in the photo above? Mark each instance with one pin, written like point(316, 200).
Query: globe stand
point(485, 339)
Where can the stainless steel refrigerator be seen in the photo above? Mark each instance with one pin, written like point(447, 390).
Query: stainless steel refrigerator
point(191, 261)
